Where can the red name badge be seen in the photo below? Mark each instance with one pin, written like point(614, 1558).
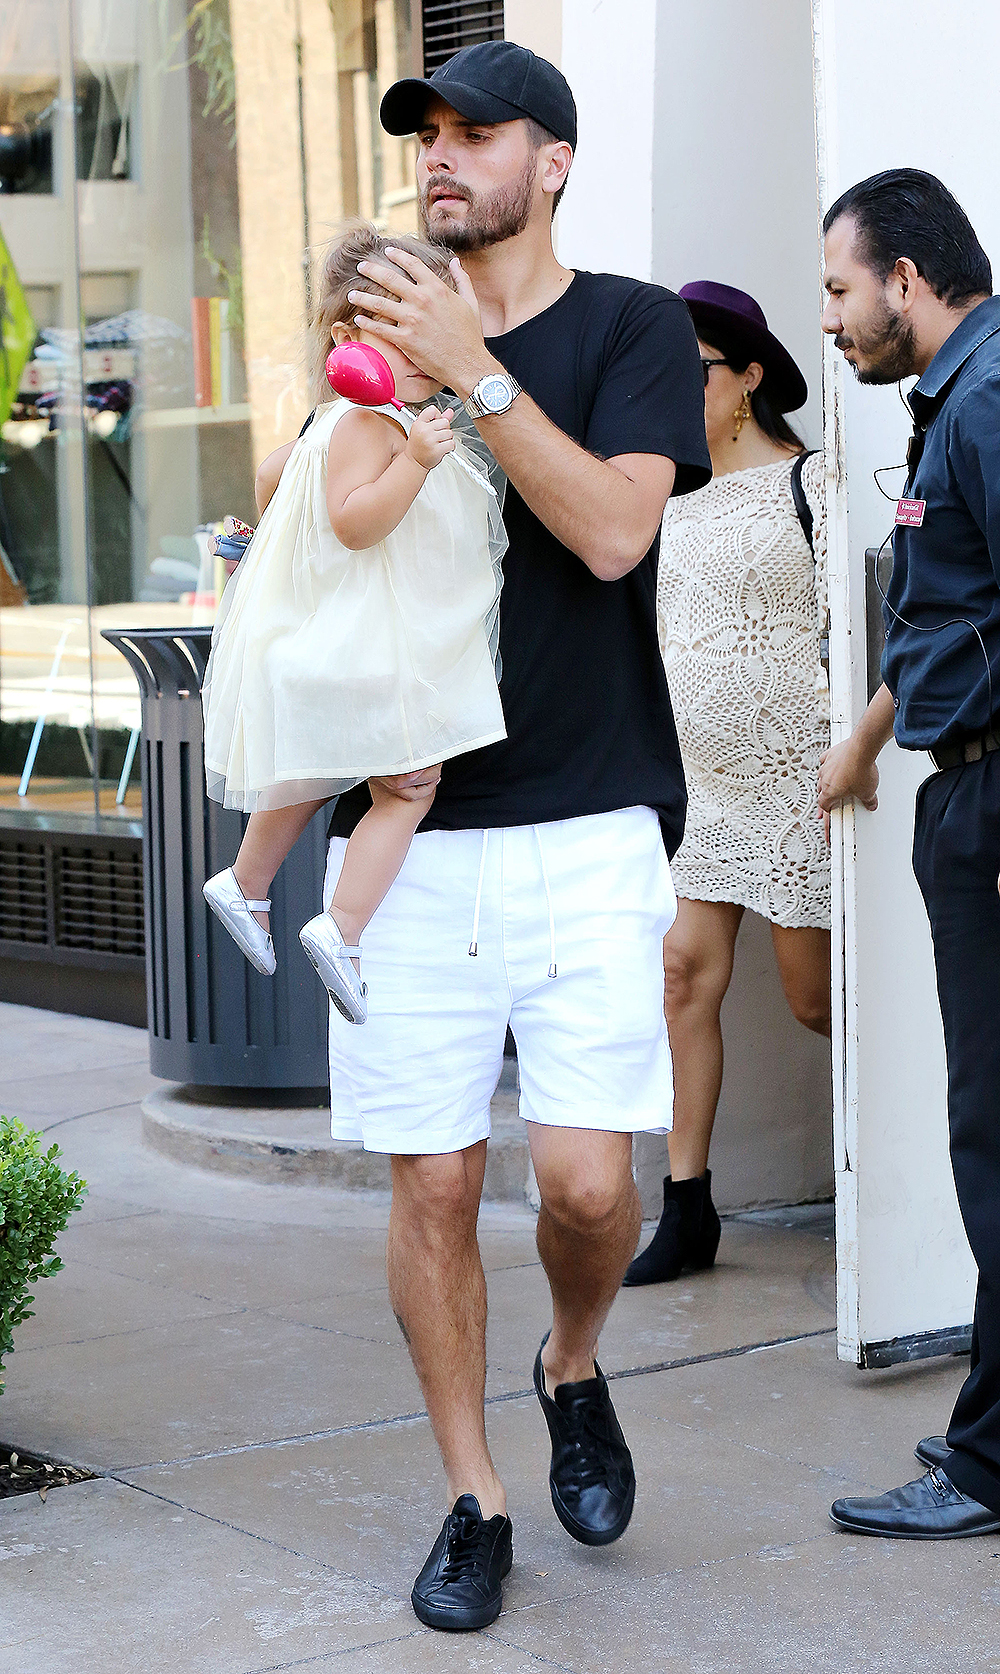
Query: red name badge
point(911, 513)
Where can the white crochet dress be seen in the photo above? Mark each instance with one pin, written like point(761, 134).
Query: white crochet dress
point(741, 602)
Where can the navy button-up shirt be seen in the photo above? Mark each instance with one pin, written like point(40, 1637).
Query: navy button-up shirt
point(949, 567)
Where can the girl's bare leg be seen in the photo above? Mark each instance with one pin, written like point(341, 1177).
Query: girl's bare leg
point(267, 841)
point(375, 853)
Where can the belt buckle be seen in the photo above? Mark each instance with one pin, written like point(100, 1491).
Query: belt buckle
point(973, 750)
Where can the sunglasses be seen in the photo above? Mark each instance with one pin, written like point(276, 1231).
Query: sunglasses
point(706, 367)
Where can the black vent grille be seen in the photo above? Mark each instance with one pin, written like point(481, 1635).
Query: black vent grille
point(75, 898)
point(98, 900)
point(451, 24)
point(24, 913)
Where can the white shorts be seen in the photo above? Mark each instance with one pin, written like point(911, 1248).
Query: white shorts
point(591, 898)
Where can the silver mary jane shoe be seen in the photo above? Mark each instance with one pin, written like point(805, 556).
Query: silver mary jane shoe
point(331, 957)
point(231, 907)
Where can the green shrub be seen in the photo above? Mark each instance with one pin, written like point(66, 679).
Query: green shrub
point(36, 1200)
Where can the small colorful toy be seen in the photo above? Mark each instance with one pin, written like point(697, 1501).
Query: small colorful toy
point(232, 543)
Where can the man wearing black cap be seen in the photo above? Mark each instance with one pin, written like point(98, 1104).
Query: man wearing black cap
point(551, 847)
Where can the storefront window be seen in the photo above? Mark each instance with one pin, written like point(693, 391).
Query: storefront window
point(168, 173)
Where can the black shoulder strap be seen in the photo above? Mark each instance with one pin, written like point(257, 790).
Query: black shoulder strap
point(803, 510)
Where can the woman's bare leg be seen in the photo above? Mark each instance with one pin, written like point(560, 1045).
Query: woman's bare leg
point(375, 852)
point(268, 840)
point(698, 965)
point(804, 966)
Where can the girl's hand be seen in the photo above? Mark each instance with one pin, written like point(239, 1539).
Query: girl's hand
point(431, 439)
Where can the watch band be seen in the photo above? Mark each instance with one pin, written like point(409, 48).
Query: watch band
point(474, 407)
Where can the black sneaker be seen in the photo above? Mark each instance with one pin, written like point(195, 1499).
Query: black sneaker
point(591, 1479)
point(459, 1588)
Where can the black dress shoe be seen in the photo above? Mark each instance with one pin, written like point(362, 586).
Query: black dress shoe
point(687, 1236)
point(932, 1451)
point(931, 1508)
point(591, 1479)
point(459, 1588)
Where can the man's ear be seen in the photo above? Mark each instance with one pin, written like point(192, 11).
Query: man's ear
point(905, 275)
point(557, 166)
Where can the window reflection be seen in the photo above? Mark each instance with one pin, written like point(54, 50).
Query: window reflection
point(165, 171)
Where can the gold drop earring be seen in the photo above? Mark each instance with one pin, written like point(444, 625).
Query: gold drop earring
point(741, 415)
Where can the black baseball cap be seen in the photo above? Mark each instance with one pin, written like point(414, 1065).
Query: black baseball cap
point(496, 81)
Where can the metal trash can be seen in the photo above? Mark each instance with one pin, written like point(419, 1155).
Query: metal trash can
point(213, 1019)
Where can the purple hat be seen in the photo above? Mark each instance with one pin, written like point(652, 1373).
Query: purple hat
point(723, 305)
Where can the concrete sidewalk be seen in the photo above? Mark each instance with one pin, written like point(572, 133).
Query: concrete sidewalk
point(222, 1353)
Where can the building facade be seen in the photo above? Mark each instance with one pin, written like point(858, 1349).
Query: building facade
point(168, 171)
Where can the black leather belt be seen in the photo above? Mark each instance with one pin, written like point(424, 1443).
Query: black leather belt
point(970, 749)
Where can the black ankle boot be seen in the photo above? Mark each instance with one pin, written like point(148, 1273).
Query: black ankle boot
point(687, 1236)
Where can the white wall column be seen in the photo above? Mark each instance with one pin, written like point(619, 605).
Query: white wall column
point(605, 223)
point(897, 86)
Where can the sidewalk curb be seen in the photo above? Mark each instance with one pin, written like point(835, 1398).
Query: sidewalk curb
point(292, 1145)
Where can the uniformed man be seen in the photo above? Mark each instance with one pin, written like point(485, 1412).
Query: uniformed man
point(910, 292)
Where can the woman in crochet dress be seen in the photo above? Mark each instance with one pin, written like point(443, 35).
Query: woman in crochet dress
point(741, 602)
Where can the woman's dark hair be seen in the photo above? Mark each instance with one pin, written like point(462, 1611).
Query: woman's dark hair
point(905, 212)
point(731, 345)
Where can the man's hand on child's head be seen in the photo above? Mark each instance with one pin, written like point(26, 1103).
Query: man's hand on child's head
point(437, 328)
point(430, 438)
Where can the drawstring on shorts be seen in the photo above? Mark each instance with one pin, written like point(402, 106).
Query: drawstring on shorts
point(474, 944)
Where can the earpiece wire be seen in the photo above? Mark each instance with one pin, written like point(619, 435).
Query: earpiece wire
point(956, 622)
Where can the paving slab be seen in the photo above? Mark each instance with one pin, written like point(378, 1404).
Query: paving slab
point(422, 1653)
point(768, 1283)
point(799, 1402)
point(255, 1266)
point(50, 1100)
point(826, 1605)
point(40, 1042)
point(375, 1497)
point(225, 1380)
point(223, 1350)
point(103, 1577)
point(84, 1303)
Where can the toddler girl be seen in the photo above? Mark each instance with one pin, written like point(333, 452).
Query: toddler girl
point(358, 638)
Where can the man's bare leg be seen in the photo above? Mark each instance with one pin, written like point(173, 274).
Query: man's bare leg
point(588, 1229)
point(438, 1292)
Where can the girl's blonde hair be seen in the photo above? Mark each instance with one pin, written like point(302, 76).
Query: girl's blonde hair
point(339, 274)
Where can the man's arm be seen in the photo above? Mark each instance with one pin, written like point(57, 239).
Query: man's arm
point(849, 769)
point(606, 511)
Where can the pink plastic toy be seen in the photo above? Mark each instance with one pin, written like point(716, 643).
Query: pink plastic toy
point(363, 375)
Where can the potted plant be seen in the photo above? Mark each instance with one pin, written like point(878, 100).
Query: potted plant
point(36, 1200)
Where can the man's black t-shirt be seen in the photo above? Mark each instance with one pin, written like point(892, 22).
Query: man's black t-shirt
point(614, 363)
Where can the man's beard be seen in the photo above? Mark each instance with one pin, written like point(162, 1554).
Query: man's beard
point(888, 342)
point(489, 220)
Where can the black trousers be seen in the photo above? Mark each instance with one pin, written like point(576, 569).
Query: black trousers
point(956, 859)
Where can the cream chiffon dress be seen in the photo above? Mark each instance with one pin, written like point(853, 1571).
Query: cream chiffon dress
point(330, 666)
point(741, 602)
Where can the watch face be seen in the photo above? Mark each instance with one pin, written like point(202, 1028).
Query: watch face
point(493, 394)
